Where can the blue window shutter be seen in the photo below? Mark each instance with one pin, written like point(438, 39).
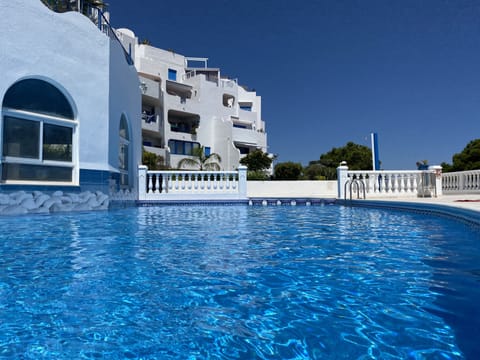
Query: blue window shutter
point(172, 74)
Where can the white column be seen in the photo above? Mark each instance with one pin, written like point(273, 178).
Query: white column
point(142, 182)
point(242, 181)
point(438, 178)
point(342, 178)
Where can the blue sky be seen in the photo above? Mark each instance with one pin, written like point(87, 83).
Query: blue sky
point(333, 71)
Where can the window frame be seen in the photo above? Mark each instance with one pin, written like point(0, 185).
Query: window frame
point(40, 161)
point(124, 143)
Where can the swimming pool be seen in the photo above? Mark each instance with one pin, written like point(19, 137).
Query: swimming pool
point(239, 282)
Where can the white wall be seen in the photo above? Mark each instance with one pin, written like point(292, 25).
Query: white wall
point(69, 51)
point(292, 189)
point(125, 98)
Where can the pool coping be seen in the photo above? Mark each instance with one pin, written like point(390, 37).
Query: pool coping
point(252, 201)
point(452, 211)
point(446, 206)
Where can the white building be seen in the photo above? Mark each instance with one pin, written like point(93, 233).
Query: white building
point(70, 106)
point(186, 104)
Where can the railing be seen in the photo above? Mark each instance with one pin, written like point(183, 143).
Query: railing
point(192, 185)
point(149, 118)
point(107, 29)
point(394, 183)
point(94, 13)
point(228, 83)
point(461, 182)
point(208, 77)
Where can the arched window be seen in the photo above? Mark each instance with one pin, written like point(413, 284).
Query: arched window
point(123, 153)
point(38, 127)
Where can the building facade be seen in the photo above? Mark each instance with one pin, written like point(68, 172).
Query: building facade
point(70, 105)
point(187, 105)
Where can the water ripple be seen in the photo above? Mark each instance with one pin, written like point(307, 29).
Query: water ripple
point(238, 283)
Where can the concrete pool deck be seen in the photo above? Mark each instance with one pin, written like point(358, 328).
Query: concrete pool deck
point(467, 201)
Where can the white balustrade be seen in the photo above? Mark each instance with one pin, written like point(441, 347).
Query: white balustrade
point(461, 182)
point(386, 183)
point(192, 185)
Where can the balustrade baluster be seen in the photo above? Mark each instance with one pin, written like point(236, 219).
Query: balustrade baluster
point(209, 182)
point(150, 185)
point(370, 185)
point(415, 183)
point(163, 183)
point(394, 184)
point(228, 181)
point(222, 182)
point(383, 183)
point(196, 181)
point(401, 183)
point(375, 183)
point(177, 176)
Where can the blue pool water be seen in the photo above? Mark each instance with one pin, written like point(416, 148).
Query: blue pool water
point(239, 282)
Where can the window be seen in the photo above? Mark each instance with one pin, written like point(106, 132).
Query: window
point(123, 153)
point(172, 74)
point(38, 133)
point(178, 147)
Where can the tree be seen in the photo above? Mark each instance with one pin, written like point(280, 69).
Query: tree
point(468, 159)
point(316, 171)
point(257, 163)
point(288, 171)
point(200, 161)
point(153, 161)
point(358, 157)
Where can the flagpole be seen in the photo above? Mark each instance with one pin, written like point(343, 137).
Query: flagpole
point(375, 159)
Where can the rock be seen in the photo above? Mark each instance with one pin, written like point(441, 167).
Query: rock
point(29, 204)
point(4, 199)
point(41, 199)
point(60, 207)
point(14, 210)
point(49, 202)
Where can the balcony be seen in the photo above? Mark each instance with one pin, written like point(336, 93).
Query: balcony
point(247, 116)
point(151, 89)
point(183, 122)
point(248, 137)
point(151, 122)
point(210, 75)
point(178, 89)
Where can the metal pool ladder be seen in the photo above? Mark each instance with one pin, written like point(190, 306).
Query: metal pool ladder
point(354, 184)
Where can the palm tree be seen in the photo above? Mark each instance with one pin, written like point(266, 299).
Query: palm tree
point(200, 161)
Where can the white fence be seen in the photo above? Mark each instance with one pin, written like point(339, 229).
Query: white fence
point(192, 185)
point(461, 182)
point(384, 183)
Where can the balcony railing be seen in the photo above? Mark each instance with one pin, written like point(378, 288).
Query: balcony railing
point(149, 118)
